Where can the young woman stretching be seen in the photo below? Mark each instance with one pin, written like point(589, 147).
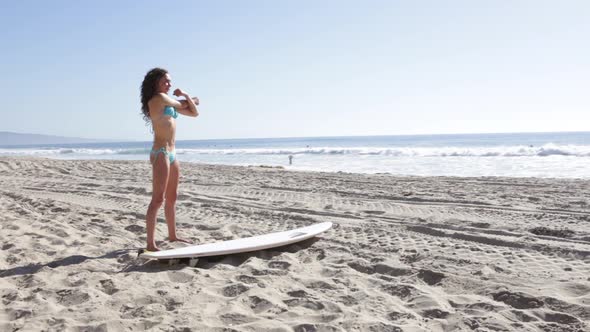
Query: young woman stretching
point(162, 111)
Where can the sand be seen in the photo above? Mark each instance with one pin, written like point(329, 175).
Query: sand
point(405, 253)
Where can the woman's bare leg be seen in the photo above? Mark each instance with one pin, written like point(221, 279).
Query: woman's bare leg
point(170, 203)
point(160, 174)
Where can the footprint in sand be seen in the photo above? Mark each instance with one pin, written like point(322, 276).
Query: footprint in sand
point(320, 285)
point(298, 293)
point(317, 328)
point(95, 328)
point(434, 313)
point(250, 280)
point(258, 304)
point(136, 229)
point(60, 210)
point(12, 259)
point(230, 319)
point(15, 314)
point(379, 268)
point(282, 265)
point(10, 297)
point(561, 318)
point(234, 290)
point(274, 272)
point(30, 281)
point(70, 297)
point(401, 291)
point(57, 323)
point(313, 305)
point(400, 317)
point(523, 317)
point(383, 327)
point(108, 286)
point(348, 300)
point(430, 277)
point(518, 300)
point(316, 254)
point(172, 304)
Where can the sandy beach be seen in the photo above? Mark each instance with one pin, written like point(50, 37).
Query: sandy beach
point(405, 253)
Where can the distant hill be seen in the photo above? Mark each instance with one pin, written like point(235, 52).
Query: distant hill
point(11, 139)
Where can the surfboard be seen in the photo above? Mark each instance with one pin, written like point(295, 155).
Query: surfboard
point(247, 244)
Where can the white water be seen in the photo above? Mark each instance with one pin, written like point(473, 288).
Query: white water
point(452, 155)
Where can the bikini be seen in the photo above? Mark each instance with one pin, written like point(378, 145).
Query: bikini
point(171, 111)
point(168, 111)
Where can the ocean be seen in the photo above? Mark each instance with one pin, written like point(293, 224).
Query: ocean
point(559, 155)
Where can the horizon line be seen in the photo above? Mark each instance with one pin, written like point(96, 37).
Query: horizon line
point(106, 140)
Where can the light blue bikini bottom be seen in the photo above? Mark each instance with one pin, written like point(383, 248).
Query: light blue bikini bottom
point(170, 154)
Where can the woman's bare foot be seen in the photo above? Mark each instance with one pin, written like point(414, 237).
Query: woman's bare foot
point(152, 248)
point(177, 239)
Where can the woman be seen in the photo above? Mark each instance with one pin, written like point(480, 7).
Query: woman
point(162, 111)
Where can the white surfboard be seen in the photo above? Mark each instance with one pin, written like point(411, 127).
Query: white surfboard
point(247, 244)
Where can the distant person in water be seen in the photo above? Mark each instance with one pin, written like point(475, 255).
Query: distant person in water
point(161, 112)
point(290, 160)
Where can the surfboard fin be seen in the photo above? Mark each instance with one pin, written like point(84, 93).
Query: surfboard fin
point(193, 262)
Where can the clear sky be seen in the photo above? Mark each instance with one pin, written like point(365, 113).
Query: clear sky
point(298, 68)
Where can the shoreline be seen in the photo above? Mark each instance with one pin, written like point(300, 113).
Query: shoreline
point(406, 253)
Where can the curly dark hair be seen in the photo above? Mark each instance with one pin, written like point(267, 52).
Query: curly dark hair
point(148, 89)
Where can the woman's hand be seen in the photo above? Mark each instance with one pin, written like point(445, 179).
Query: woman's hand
point(179, 93)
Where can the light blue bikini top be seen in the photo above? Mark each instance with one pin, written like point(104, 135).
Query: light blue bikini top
point(171, 111)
